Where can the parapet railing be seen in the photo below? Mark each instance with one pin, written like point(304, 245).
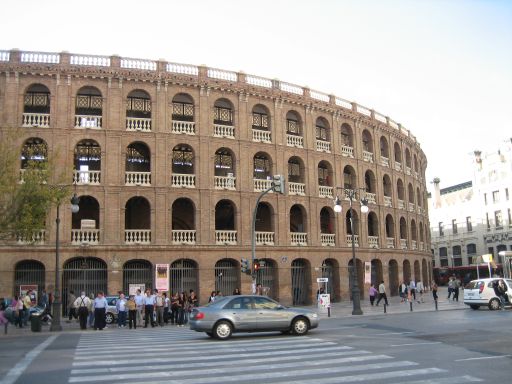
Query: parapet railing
point(201, 71)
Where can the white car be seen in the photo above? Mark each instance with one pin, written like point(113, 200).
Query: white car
point(480, 292)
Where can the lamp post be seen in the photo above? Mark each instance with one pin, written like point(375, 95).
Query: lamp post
point(352, 195)
point(57, 299)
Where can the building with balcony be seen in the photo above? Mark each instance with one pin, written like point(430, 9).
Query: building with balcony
point(474, 218)
point(168, 161)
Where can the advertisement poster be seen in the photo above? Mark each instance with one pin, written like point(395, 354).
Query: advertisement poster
point(367, 272)
point(33, 294)
point(162, 277)
point(132, 288)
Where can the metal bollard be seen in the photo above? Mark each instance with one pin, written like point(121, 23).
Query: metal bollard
point(410, 305)
point(435, 302)
point(385, 308)
point(329, 311)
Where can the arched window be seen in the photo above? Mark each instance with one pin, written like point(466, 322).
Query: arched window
point(182, 107)
point(88, 108)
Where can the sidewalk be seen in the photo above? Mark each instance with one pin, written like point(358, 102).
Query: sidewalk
point(344, 308)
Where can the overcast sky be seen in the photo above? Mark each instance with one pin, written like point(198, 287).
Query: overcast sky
point(443, 69)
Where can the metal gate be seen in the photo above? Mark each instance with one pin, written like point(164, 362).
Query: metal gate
point(330, 271)
point(267, 277)
point(87, 274)
point(137, 272)
point(300, 282)
point(29, 272)
point(227, 276)
point(183, 275)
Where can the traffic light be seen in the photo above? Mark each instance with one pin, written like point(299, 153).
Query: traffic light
point(244, 266)
point(256, 265)
point(278, 184)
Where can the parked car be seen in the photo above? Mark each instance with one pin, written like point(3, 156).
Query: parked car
point(250, 313)
point(480, 292)
point(111, 312)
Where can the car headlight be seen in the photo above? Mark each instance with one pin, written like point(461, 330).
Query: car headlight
point(314, 315)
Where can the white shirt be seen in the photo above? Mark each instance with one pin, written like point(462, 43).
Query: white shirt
point(382, 288)
point(149, 300)
point(139, 299)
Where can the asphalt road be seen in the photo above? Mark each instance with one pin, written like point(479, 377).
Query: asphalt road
point(430, 347)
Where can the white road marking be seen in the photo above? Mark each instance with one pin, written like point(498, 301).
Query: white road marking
point(484, 358)
point(414, 344)
point(16, 371)
point(446, 380)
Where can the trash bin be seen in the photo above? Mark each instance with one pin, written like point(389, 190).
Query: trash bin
point(35, 323)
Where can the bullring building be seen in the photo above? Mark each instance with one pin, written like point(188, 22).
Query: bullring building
point(168, 161)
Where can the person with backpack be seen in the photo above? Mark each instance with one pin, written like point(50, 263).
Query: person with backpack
point(82, 304)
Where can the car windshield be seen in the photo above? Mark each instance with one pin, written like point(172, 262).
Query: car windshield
point(218, 301)
point(472, 285)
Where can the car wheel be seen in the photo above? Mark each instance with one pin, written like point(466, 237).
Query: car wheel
point(222, 330)
point(494, 304)
point(300, 326)
point(474, 306)
point(109, 318)
point(209, 334)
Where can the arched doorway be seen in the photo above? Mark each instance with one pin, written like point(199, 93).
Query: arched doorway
point(424, 273)
point(29, 272)
point(417, 272)
point(376, 274)
point(393, 277)
point(267, 276)
point(137, 272)
point(184, 276)
point(331, 270)
point(360, 278)
point(227, 276)
point(407, 271)
point(301, 276)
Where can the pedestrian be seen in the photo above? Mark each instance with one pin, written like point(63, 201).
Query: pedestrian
point(236, 291)
point(382, 293)
point(456, 289)
point(71, 306)
point(100, 309)
point(132, 312)
point(167, 308)
point(434, 291)
point(194, 301)
point(149, 308)
point(122, 311)
point(139, 302)
point(90, 319)
point(450, 286)
point(186, 308)
point(82, 304)
point(212, 297)
point(17, 305)
point(159, 307)
point(27, 304)
point(372, 292)
point(181, 309)
point(174, 309)
point(420, 288)
point(412, 289)
point(403, 292)
point(43, 301)
point(500, 289)
point(3, 319)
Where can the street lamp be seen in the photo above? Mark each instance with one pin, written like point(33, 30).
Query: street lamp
point(56, 326)
point(352, 195)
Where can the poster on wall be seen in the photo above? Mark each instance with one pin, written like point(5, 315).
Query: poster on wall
point(367, 272)
point(162, 277)
point(33, 292)
point(132, 288)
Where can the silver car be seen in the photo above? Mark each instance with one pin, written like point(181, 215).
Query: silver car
point(250, 313)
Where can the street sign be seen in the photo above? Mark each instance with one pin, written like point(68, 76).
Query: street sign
point(322, 279)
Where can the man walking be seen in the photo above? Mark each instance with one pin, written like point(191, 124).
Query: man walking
point(382, 293)
point(71, 305)
point(82, 304)
point(149, 307)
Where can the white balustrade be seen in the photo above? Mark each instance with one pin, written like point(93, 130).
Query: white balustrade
point(88, 60)
point(137, 236)
point(373, 241)
point(343, 103)
point(324, 191)
point(138, 124)
point(261, 185)
point(5, 55)
point(222, 74)
point(87, 121)
point(85, 236)
point(264, 238)
point(319, 96)
point(294, 141)
point(420, 210)
point(384, 161)
point(347, 151)
point(422, 246)
point(411, 207)
point(181, 180)
point(413, 244)
point(368, 156)
point(401, 204)
point(298, 238)
point(137, 178)
point(36, 120)
point(184, 236)
point(398, 166)
point(371, 197)
point(393, 124)
point(363, 110)
point(40, 57)
point(186, 127)
point(403, 243)
point(258, 81)
point(416, 174)
point(227, 131)
point(87, 177)
point(38, 237)
point(225, 237)
point(287, 87)
point(380, 117)
point(349, 240)
point(323, 146)
point(225, 182)
point(183, 69)
point(390, 242)
point(147, 65)
point(388, 201)
point(297, 189)
point(328, 239)
point(261, 136)
point(408, 170)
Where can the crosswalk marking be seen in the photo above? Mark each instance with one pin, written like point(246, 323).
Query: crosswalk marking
point(172, 355)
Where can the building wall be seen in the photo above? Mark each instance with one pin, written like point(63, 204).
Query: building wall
point(114, 80)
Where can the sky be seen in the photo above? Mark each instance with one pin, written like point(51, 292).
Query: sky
point(441, 68)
